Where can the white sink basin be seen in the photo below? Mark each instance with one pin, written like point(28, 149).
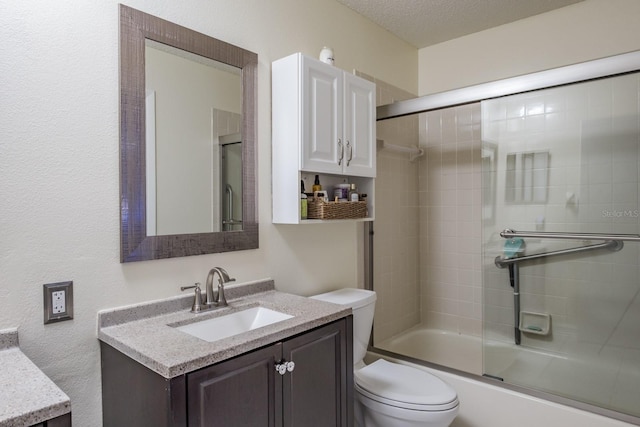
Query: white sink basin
point(233, 324)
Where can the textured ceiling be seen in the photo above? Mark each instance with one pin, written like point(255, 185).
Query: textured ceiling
point(426, 22)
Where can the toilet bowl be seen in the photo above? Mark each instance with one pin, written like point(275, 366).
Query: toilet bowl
point(397, 396)
point(389, 394)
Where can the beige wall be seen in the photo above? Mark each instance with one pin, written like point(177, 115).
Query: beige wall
point(581, 32)
point(59, 166)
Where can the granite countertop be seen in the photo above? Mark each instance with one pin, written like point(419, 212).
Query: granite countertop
point(146, 332)
point(27, 395)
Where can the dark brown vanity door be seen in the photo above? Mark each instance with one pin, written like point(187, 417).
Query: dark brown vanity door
point(244, 391)
point(315, 392)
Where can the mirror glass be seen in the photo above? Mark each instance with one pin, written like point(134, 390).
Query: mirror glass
point(187, 141)
point(191, 103)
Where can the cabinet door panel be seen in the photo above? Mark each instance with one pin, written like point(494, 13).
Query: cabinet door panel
point(321, 117)
point(61, 421)
point(359, 126)
point(315, 392)
point(245, 391)
point(134, 395)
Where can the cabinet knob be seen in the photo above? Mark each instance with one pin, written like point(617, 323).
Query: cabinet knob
point(341, 154)
point(281, 368)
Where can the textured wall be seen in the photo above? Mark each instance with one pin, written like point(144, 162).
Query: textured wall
point(59, 166)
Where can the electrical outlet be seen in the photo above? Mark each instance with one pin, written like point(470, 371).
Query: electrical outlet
point(58, 301)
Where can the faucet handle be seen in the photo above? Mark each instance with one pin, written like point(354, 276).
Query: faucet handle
point(197, 300)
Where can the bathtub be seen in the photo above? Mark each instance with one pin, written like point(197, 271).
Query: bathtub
point(457, 351)
point(488, 403)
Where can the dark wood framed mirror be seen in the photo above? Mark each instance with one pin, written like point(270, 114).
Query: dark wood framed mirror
point(138, 240)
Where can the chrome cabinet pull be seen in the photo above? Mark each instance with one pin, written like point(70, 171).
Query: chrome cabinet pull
point(341, 149)
point(350, 151)
point(290, 366)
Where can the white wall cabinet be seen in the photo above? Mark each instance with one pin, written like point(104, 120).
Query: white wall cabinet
point(323, 122)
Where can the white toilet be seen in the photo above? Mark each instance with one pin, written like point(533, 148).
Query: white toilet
point(389, 394)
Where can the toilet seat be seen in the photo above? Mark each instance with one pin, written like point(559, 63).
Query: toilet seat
point(404, 387)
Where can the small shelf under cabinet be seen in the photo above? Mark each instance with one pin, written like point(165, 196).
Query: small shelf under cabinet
point(329, 182)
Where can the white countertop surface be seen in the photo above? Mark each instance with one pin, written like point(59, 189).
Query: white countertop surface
point(27, 395)
point(146, 332)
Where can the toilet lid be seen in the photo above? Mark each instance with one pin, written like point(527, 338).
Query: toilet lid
point(402, 385)
point(354, 298)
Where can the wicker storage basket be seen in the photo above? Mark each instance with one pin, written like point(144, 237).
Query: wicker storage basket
point(319, 209)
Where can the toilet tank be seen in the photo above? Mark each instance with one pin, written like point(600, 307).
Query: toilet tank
point(362, 303)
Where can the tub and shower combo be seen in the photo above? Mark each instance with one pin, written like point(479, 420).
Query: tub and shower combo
point(506, 248)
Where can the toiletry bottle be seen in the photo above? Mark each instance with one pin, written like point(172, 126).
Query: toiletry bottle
point(344, 192)
point(326, 55)
point(316, 184)
point(303, 202)
point(353, 194)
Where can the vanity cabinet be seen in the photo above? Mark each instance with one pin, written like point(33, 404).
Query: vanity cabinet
point(61, 421)
point(323, 122)
point(243, 391)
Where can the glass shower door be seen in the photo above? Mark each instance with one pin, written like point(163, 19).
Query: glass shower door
point(561, 310)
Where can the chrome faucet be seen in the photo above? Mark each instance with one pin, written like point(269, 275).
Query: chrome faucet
point(213, 298)
point(217, 298)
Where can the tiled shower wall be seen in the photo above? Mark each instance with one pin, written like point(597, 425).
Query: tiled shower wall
point(396, 228)
point(436, 216)
point(450, 220)
point(428, 226)
point(591, 132)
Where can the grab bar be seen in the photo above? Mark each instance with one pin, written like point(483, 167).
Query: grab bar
point(613, 242)
point(610, 242)
point(508, 233)
point(612, 245)
point(229, 191)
